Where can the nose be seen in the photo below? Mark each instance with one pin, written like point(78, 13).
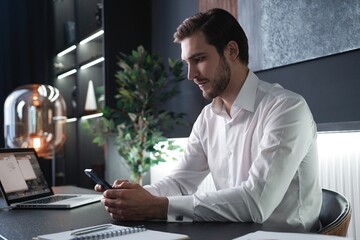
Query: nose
point(192, 72)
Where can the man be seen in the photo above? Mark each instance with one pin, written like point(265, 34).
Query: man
point(257, 140)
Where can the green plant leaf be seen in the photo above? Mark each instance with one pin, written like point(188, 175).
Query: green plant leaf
point(138, 122)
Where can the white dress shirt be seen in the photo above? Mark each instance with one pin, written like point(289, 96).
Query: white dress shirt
point(263, 160)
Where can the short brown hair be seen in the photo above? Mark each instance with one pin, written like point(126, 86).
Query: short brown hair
point(219, 28)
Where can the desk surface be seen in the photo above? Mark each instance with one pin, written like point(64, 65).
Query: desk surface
point(25, 224)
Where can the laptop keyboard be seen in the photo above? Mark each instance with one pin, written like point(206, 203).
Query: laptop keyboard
point(51, 199)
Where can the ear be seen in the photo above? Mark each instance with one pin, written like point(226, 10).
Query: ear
point(233, 50)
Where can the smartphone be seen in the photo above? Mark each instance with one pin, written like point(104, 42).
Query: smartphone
point(93, 175)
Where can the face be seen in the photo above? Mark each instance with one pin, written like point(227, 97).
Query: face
point(210, 71)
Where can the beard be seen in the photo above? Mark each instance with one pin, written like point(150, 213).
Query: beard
point(220, 81)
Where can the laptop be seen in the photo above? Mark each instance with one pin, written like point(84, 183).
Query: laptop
point(23, 183)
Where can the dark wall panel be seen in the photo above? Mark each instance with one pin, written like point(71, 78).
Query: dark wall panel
point(26, 46)
point(127, 24)
point(166, 17)
point(331, 85)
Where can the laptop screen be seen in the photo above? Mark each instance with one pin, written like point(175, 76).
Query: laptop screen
point(21, 176)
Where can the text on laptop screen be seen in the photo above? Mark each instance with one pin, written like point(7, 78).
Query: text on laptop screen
point(21, 176)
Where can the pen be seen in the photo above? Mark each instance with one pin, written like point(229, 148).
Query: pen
point(91, 229)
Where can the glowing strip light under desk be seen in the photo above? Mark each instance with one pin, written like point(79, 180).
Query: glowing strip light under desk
point(64, 75)
point(72, 48)
point(92, 63)
point(95, 35)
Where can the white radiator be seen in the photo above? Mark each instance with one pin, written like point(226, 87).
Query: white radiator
point(339, 155)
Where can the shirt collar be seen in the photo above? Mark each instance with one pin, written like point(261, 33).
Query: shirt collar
point(247, 95)
point(245, 98)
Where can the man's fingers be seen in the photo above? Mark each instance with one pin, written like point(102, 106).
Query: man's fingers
point(125, 185)
point(98, 188)
point(119, 181)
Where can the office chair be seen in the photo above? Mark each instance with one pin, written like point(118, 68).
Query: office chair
point(335, 214)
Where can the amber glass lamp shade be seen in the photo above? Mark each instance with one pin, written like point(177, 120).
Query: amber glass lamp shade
point(35, 117)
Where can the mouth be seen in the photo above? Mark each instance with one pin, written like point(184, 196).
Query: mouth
point(200, 82)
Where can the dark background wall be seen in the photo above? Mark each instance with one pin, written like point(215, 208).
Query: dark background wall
point(166, 17)
point(26, 46)
point(331, 86)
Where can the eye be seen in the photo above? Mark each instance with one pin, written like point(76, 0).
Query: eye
point(199, 59)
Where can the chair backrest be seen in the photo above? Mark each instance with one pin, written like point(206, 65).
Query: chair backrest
point(335, 214)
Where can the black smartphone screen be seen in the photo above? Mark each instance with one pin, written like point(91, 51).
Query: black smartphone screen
point(92, 174)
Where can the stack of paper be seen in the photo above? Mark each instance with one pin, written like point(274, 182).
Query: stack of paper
point(264, 235)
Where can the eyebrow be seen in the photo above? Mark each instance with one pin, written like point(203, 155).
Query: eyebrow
point(195, 56)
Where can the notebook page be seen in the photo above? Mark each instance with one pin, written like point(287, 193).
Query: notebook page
point(264, 235)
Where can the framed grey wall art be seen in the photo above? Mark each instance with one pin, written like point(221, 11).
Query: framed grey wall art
point(282, 32)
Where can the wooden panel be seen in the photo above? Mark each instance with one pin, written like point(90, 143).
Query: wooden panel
point(229, 5)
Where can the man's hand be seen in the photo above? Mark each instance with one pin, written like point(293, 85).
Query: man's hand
point(130, 201)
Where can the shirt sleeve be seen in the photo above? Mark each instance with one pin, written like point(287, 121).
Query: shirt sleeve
point(184, 180)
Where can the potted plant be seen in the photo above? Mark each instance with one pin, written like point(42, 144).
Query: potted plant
point(138, 121)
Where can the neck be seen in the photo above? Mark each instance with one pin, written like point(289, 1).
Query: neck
point(238, 77)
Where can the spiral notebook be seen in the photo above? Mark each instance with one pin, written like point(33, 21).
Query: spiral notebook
point(111, 231)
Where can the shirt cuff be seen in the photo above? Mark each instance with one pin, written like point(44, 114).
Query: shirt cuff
point(180, 209)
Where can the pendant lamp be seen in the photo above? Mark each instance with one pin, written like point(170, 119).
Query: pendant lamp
point(35, 117)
